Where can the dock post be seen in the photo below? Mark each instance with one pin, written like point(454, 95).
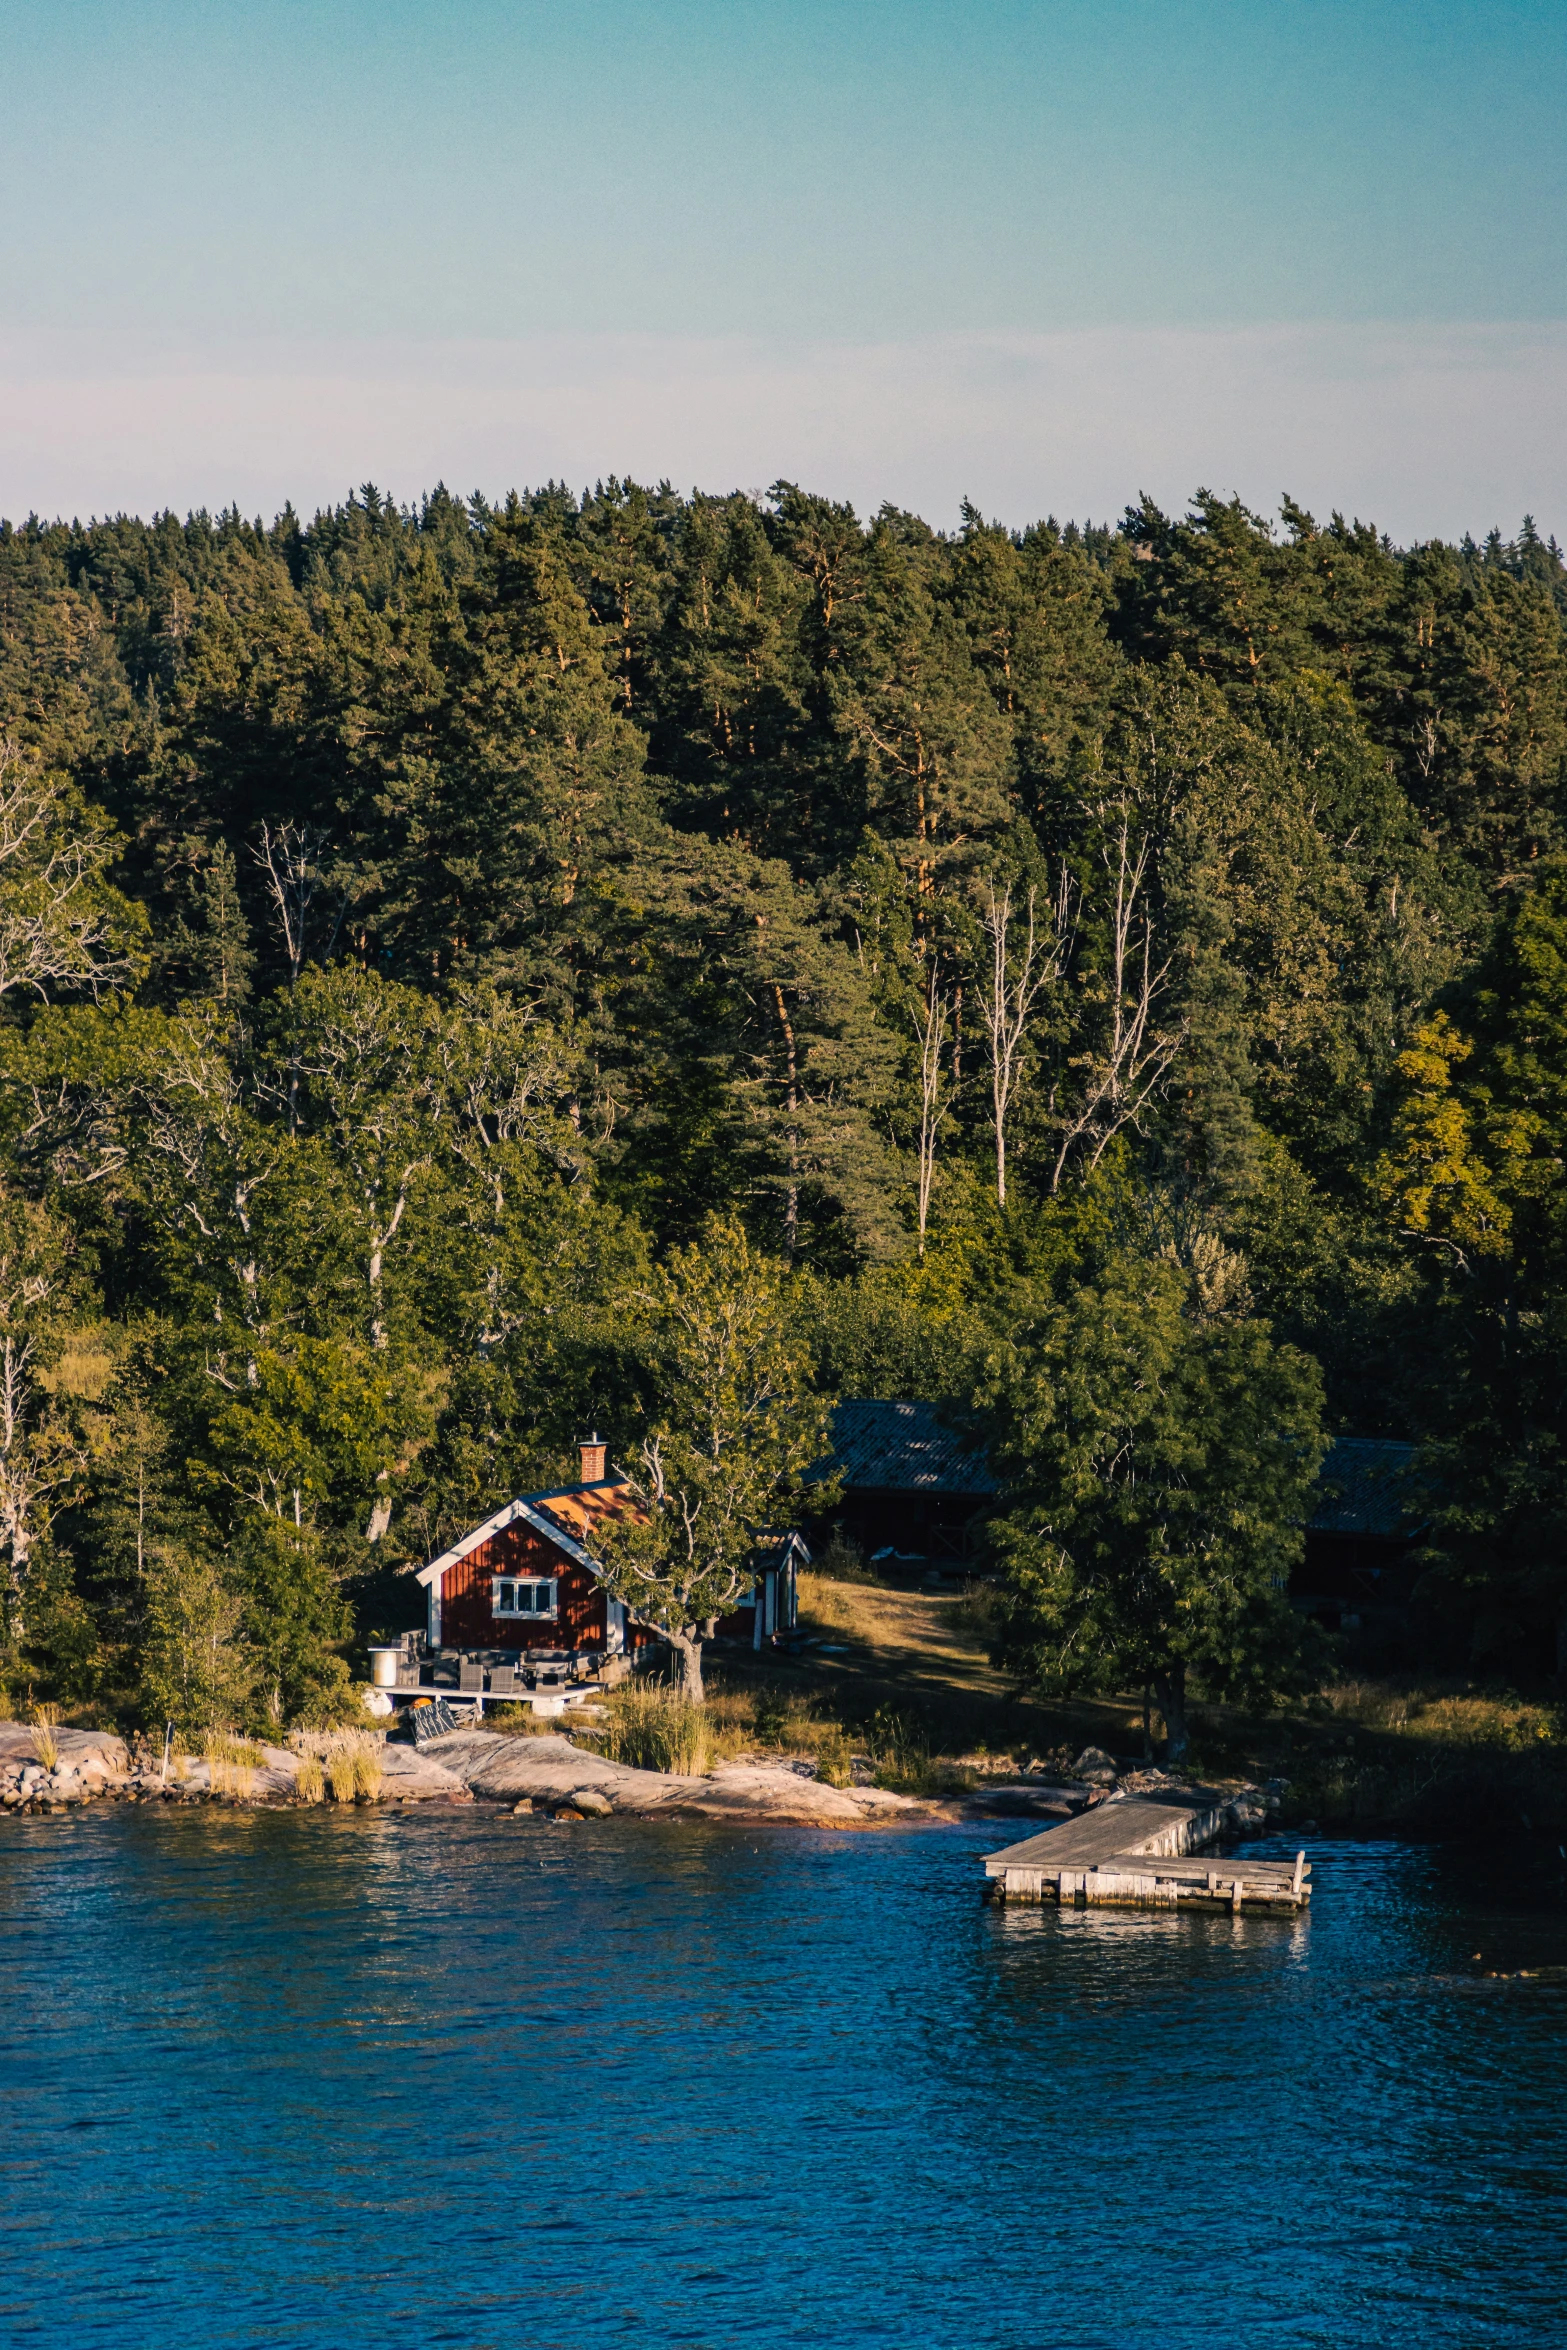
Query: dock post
point(1236, 1890)
point(1300, 1871)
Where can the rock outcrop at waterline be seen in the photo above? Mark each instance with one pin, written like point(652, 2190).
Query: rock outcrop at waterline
point(547, 1774)
point(550, 1772)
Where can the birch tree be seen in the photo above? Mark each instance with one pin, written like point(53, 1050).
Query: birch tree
point(1018, 975)
point(1129, 1046)
point(309, 900)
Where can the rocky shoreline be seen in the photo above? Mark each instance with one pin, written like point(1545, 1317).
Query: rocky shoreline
point(554, 1776)
point(546, 1774)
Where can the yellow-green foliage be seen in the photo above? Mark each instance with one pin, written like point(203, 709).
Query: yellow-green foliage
point(653, 1728)
point(520, 1721)
point(367, 1764)
point(232, 1763)
point(1463, 1719)
point(349, 1761)
point(310, 1779)
point(46, 1746)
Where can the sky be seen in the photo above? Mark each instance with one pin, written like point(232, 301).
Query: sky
point(1043, 254)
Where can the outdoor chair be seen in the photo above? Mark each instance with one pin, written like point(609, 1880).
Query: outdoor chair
point(471, 1677)
point(503, 1680)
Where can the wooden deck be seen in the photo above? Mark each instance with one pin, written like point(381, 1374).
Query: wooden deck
point(1137, 1854)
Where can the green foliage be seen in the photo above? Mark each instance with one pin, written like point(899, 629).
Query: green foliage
point(1160, 1456)
point(471, 970)
point(197, 1669)
point(731, 1426)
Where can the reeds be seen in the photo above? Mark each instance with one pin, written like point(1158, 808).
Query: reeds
point(900, 1749)
point(346, 1761)
point(652, 1727)
point(232, 1764)
point(46, 1746)
point(367, 1764)
point(353, 1765)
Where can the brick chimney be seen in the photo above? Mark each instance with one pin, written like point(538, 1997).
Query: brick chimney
point(594, 1455)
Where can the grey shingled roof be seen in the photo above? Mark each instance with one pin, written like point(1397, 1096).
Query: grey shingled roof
point(1367, 1486)
point(903, 1448)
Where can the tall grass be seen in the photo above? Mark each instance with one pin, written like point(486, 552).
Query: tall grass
point(520, 1721)
point(46, 1746)
point(232, 1764)
point(1452, 1718)
point(367, 1764)
point(347, 1761)
point(651, 1727)
point(900, 1749)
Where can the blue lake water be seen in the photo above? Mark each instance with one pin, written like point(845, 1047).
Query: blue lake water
point(312, 2081)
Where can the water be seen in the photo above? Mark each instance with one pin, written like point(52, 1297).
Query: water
point(313, 2082)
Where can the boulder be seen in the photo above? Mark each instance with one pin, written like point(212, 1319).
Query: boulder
point(73, 1746)
point(590, 1801)
point(1096, 1766)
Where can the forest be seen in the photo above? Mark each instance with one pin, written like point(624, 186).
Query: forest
point(466, 968)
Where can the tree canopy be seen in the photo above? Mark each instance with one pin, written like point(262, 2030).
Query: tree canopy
point(423, 928)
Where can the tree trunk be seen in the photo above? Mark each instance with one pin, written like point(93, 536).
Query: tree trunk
point(688, 1648)
point(1169, 1690)
point(1147, 1722)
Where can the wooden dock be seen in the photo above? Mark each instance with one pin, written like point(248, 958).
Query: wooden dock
point(1137, 1853)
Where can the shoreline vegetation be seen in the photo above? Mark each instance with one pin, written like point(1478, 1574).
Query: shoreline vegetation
point(892, 1702)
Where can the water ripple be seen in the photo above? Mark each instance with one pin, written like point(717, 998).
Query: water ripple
point(316, 2081)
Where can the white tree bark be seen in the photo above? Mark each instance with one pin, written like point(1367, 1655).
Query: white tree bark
point(1017, 979)
point(1124, 1069)
point(56, 929)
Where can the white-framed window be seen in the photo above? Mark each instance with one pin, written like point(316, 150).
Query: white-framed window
point(522, 1595)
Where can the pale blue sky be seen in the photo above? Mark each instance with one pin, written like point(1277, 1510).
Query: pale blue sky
point(189, 185)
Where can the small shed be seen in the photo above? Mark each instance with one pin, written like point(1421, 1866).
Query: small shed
point(773, 1609)
point(914, 1485)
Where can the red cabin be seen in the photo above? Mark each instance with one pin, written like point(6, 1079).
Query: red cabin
point(523, 1588)
point(518, 1602)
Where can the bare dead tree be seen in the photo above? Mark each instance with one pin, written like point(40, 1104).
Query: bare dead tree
point(57, 922)
point(291, 857)
point(929, 1013)
point(1120, 1075)
point(1018, 977)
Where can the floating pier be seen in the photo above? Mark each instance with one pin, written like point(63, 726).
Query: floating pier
point(1138, 1852)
